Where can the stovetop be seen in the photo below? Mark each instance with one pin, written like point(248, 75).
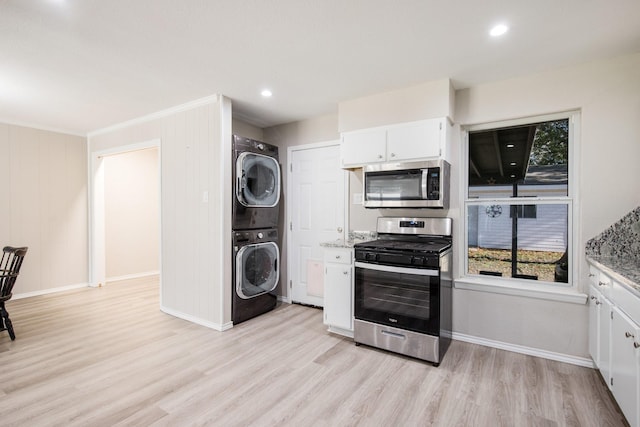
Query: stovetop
point(422, 245)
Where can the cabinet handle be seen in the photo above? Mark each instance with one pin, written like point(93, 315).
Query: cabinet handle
point(636, 344)
point(379, 156)
point(393, 154)
point(591, 275)
point(345, 272)
point(601, 284)
point(593, 297)
point(338, 257)
point(598, 302)
point(628, 335)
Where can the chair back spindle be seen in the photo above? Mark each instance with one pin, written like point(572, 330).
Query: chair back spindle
point(10, 265)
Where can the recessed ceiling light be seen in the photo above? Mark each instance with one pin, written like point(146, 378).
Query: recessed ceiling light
point(510, 145)
point(498, 30)
point(513, 163)
point(266, 93)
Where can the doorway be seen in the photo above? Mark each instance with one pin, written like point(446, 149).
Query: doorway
point(125, 217)
point(316, 213)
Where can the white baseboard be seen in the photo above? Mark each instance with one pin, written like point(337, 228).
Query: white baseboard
point(284, 299)
point(559, 357)
point(132, 276)
point(197, 320)
point(50, 291)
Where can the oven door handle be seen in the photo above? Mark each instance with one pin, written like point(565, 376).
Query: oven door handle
point(394, 269)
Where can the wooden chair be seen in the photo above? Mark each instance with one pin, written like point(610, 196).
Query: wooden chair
point(9, 268)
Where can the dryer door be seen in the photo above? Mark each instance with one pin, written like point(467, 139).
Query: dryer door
point(257, 180)
point(257, 270)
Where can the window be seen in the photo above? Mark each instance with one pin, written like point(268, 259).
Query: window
point(519, 200)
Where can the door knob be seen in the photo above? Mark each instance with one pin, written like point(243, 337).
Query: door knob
point(339, 229)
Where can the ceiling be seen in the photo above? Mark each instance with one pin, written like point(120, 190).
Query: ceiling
point(82, 65)
point(500, 156)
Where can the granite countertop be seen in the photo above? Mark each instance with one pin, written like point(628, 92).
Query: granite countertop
point(353, 238)
point(627, 271)
point(617, 250)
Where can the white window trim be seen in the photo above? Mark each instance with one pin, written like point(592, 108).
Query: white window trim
point(509, 286)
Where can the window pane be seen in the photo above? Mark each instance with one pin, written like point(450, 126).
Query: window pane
point(529, 245)
point(520, 161)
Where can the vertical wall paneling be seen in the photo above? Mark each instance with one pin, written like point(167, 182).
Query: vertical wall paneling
point(43, 205)
point(223, 127)
point(192, 262)
point(5, 188)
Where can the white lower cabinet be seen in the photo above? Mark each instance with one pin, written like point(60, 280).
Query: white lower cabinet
point(614, 341)
point(600, 332)
point(338, 290)
point(625, 340)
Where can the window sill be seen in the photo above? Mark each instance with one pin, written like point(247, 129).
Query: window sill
point(506, 287)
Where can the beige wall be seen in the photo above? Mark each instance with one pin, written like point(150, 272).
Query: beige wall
point(425, 101)
point(319, 129)
point(44, 206)
point(132, 213)
point(195, 150)
point(248, 131)
point(608, 95)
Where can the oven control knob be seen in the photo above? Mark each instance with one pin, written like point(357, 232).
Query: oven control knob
point(260, 235)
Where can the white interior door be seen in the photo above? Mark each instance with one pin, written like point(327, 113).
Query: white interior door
point(316, 214)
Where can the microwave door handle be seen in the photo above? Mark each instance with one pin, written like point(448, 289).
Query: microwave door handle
point(423, 188)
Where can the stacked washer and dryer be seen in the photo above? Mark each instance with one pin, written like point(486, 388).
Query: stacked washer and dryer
point(256, 255)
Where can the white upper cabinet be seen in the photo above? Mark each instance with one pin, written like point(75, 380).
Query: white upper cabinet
point(422, 139)
point(361, 147)
point(425, 139)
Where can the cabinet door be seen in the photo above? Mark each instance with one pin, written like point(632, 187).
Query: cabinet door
point(625, 337)
point(594, 321)
point(604, 338)
point(362, 147)
point(338, 298)
point(415, 141)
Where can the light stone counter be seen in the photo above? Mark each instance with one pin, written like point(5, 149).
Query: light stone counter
point(353, 238)
point(617, 251)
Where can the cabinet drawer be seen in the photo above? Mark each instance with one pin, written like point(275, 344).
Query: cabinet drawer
point(603, 283)
point(628, 302)
point(340, 256)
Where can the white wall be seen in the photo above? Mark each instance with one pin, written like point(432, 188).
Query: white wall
point(247, 130)
point(319, 129)
point(195, 152)
point(43, 205)
point(132, 213)
point(608, 95)
point(424, 101)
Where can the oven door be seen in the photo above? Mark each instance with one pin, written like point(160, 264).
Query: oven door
point(406, 298)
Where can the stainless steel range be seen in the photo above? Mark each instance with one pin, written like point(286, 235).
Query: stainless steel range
point(403, 288)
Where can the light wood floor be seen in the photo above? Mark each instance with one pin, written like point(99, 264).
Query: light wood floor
point(108, 356)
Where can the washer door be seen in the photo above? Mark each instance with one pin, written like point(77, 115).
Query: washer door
point(257, 269)
point(257, 180)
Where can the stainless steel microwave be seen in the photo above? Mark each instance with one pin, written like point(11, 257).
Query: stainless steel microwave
point(407, 185)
